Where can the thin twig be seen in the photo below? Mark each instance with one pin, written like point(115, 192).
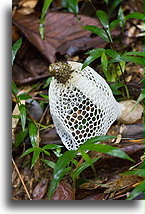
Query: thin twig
point(42, 117)
point(25, 188)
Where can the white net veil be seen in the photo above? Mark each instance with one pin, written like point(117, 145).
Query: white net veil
point(83, 107)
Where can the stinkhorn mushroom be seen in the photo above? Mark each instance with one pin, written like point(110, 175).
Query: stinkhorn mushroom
point(81, 103)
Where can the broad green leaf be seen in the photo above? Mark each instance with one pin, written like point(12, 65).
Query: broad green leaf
point(114, 5)
point(51, 146)
point(60, 170)
point(115, 86)
point(113, 54)
point(35, 158)
point(134, 15)
point(138, 60)
point(20, 137)
point(64, 160)
point(113, 24)
point(81, 168)
point(92, 146)
point(28, 151)
point(42, 19)
point(137, 190)
point(23, 115)
point(102, 16)
point(71, 5)
point(24, 96)
point(96, 140)
point(54, 183)
point(139, 172)
point(15, 48)
point(137, 53)
point(14, 88)
point(47, 82)
point(49, 163)
point(104, 63)
point(121, 17)
point(96, 30)
point(91, 58)
point(33, 131)
point(46, 152)
point(95, 51)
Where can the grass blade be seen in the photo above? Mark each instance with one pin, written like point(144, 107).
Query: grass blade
point(23, 115)
point(15, 48)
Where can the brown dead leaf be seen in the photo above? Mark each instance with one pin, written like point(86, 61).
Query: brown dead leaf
point(40, 189)
point(28, 3)
point(62, 31)
point(122, 184)
point(63, 192)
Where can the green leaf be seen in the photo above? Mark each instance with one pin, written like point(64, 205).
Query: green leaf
point(113, 24)
point(28, 151)
point(138, 60)
point(23, 115)
point(81, 168)
point(90, 59)
point(16, 116)
point(35, 158)
point(110, 150)
point(47, 82)
point(114, 5)
point(96, 140)
point(137, 190)
point(140, 98)
point(135, 15)
point(71, 5)
point(92, 146)
point(44, 96)
point(96, 30)
point(106, 1)
point(60, 170)
point(88, 160)
point(95, 51)
point(113, 54)
point(33, 131)
point(51, 146)
point(104, 63)
point(49, 163)
point(102, 16)
point(24, 96)
point(121, 17)
point(115, 86)
point(46, 152)
point(137, 53)
point(14, 88)
point(42, 19)
point(94, 54)
point(20, 137)
point(139, 172)
point(15, 48)
point(54, 183)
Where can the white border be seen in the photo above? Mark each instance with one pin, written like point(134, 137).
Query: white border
point(12, 207)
